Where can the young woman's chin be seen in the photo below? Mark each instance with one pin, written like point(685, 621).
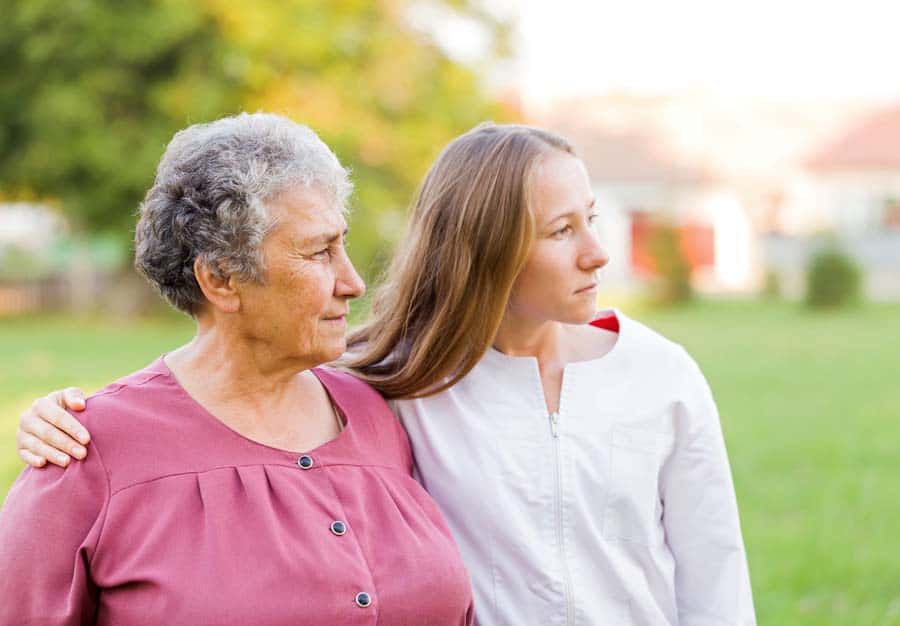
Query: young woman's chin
point(579, 315)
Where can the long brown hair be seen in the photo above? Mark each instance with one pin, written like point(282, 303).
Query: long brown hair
point(447, 288)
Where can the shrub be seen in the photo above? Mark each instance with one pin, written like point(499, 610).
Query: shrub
point(673, 270)
point(772, 285)
point(833, 279)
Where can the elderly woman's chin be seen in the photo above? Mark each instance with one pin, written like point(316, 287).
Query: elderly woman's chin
point(330, 343)
point(335, 351)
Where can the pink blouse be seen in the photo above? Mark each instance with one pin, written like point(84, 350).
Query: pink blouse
point(174, 518)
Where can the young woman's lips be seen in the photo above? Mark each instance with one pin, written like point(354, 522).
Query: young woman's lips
point(588, 289)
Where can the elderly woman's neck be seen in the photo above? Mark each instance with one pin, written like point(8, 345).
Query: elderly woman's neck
point(230, 365)
point(255, 392)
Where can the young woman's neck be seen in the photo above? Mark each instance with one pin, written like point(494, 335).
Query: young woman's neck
point(553, 344)
point(522, 336)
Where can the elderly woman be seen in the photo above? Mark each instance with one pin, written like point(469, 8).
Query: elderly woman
point(232, 481)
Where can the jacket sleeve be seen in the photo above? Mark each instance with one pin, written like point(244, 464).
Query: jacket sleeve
point(49, 528)
point(700, 516)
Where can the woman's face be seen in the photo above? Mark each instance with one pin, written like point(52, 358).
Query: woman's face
point(301, 309)
point(559, 280)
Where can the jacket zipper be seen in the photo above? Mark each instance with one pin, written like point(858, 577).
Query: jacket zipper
point(554, 429)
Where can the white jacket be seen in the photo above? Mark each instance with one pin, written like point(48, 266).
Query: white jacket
point(618, 511)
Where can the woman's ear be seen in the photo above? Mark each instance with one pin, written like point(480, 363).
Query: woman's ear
point(220, 290)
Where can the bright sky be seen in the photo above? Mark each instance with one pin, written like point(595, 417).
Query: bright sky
point(778, 48)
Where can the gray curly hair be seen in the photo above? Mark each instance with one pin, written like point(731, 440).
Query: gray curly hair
point(208, 199)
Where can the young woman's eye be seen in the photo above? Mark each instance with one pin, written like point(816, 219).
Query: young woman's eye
point(593, 217)
point(562, 232)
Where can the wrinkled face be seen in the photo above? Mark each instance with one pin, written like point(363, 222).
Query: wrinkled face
point(301, 309)
point(558, 282)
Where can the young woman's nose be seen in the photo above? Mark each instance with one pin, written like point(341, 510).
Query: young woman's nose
point(593, 255)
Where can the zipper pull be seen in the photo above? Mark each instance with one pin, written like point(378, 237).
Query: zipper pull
point(554, 424)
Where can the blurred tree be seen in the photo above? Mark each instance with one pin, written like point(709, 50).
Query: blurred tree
point(92, 90)
point(771, 284)
point(672, 283)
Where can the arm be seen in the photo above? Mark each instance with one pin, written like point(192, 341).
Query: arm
point(48, 433)
point(700, 516)
point(49, 528)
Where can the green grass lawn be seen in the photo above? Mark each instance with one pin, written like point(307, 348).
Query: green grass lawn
point(810, 404)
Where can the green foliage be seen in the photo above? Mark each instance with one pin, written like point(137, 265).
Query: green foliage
point(833, 279)
point(673, 272)
point(92, 90)
point(88, 97)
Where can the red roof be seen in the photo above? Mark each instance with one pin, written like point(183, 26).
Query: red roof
point(873, 144)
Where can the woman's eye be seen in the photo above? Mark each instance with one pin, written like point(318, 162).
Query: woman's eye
point(324, 253)
point(562, 232)
point(592, 218)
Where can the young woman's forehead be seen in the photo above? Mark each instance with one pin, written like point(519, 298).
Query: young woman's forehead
point(561, 183)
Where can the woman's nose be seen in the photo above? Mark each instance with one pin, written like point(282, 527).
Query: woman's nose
point(594, 255)
point(349, 283)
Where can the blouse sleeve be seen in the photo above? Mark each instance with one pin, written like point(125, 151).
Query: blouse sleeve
point(700, 516)
point(49, 528)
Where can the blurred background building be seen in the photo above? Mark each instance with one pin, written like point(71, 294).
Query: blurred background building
point(746, 208)
point(757, 156)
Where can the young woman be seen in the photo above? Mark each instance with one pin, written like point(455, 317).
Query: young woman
point(578, 457)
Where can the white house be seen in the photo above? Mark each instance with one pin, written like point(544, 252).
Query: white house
point(849, 189)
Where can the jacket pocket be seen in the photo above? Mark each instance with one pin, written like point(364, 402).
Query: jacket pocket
point(632, 511)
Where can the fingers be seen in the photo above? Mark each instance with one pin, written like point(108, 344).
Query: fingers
point(32, 459)
point(41, 423)
point(73, 399)
point(32, 446)
point(48, 409)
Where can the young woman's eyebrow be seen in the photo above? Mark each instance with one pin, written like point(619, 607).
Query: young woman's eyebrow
point(588, 207)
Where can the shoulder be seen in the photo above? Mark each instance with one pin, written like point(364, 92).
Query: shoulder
point(649, 347)
point(352, 394)
point(367, 408)
point(141, 426)
point(133, 399)
point(339, 381)
point(660, 364)
point(668, 363)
